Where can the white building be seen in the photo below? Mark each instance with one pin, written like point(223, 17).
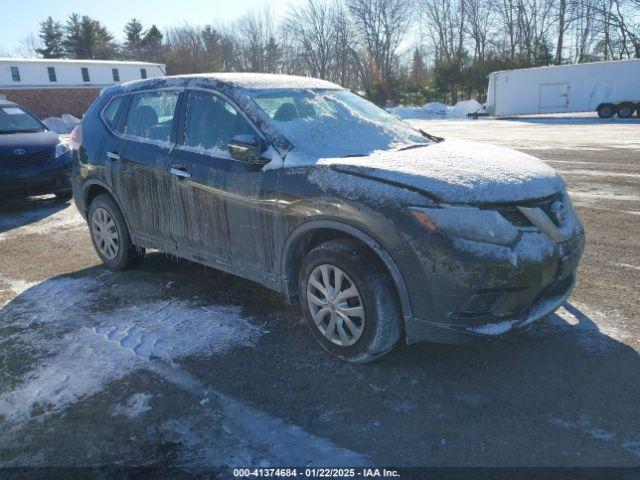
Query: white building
point(50, 87)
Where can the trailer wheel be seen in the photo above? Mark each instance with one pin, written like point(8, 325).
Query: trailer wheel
point(626, 110)
point(606, 110)
point(638, 110)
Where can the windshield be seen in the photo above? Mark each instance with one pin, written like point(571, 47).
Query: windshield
point(335, 123)
point(15, 119)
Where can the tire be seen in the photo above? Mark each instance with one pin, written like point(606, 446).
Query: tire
point(607, 110)
point(638, 110)
point(113, 245)
point(626, 110)
point(375, 326)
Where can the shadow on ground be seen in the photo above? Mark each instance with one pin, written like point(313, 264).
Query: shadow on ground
point(563, 394)
point(18, 213)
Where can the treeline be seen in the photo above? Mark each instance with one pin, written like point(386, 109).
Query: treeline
point(399, 51)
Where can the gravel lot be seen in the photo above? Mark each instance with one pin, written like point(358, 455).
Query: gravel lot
point(175, 364)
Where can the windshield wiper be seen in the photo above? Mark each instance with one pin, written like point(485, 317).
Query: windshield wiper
point(415, 145)
point(431, 137)
point(20, 131)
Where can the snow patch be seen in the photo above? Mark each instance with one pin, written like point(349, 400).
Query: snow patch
point(460, 172)
point(135, 406)
point(66, 219)
point(63, 124)
point(437, 110)
point(86, 350)
point(494, 328)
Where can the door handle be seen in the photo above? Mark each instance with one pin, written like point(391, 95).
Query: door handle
point(113, 156)
point(180, 172)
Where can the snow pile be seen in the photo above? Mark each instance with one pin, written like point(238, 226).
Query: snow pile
point(439, 110)
point(63, 124)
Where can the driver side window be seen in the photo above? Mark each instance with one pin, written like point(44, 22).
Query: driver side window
point(211, 122)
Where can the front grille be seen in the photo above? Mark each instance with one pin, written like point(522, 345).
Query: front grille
point(515, 216)
point(31, 159)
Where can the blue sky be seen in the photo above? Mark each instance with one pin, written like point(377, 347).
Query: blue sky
point(19, 18)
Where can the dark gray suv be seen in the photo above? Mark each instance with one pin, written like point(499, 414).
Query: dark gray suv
point(384, 233)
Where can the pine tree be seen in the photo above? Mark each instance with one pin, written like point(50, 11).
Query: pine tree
point(51, 34)
point(273, 55)
point(133, 32)
point(417, 65)
point(152, 45)
point(72, 41)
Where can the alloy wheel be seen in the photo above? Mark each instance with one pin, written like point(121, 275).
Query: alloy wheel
point(335, 305)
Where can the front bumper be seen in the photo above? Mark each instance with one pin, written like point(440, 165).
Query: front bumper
point(51, 177)
point(550, 299)
point(477, 290)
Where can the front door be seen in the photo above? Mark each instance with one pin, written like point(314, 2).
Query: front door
point(220, 206)
point(143, 184)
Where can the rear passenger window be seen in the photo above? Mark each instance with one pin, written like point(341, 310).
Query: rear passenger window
point(211, 121)
point(150, 115)
point(111, 112)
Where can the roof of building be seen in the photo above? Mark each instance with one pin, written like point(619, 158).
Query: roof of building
point(74, 61)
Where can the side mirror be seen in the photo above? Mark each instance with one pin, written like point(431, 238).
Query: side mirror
point(248, 148)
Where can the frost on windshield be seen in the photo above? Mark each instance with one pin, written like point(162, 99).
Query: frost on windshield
point(334, 123)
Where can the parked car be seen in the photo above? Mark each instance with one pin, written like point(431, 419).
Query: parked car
point(33, 159)
point(382, 232)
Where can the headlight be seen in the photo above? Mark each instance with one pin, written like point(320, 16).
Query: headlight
point(468, 223)
point(61, 149)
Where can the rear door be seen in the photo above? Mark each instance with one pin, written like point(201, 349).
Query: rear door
point(143, 183)
point(554, 96)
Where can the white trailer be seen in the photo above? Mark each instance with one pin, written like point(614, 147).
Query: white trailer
point(608, 88)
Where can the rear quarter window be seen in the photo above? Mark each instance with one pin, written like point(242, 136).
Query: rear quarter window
point(110, 113)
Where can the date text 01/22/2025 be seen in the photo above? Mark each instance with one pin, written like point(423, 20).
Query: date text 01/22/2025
point(315, 472)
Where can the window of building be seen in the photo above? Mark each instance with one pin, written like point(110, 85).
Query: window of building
point(85, 74)
point(116, 74)
point(150, 115)
point(143, 73)
point(15, 74)
point(52, 74)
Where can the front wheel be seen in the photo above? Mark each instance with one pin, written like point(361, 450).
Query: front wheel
point(349, 301)
point(110, 235)
point(606, 110)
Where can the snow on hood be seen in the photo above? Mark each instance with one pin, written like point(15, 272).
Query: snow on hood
point(459, 172)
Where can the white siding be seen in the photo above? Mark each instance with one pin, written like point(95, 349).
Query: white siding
point(34, 74)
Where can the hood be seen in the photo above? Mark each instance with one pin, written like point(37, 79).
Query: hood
point(459, 172)
point(30, 142)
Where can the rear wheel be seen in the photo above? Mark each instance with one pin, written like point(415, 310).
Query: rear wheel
point(606, 110)
point(110, 235)
point(626, 110)
point(349, 301)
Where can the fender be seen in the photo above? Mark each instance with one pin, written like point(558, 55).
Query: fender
point(375, 245)
point(100, 183)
